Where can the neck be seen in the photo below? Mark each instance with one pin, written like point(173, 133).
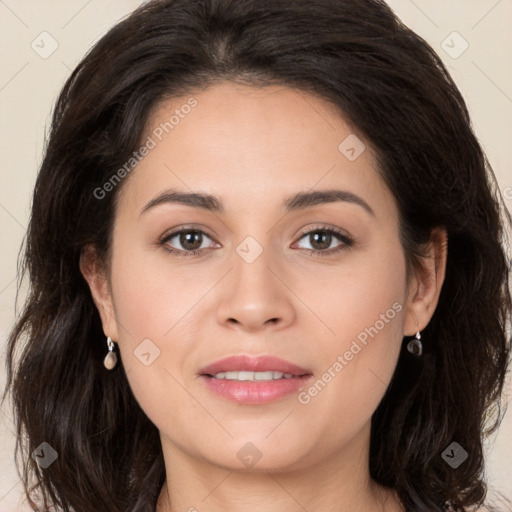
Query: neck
point(340, 483)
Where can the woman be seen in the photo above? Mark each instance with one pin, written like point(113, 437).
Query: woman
point(268, 270)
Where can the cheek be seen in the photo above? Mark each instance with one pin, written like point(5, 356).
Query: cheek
point(366, 314)
point(151, 295)
point(374, 302)
point(366, 292)
point(154, 305)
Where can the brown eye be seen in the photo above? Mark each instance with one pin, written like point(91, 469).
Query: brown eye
point(186, 242)
point(321, 240)
point(191, 240)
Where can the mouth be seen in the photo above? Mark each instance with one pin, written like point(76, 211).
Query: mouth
point(255, 368)
point(242, 375)
point(253, 380)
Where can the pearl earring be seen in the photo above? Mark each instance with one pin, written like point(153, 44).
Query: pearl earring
point(415, 346)
point(110, 359)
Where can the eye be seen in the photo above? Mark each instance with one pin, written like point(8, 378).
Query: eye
point(191, 240)
point(321, 239)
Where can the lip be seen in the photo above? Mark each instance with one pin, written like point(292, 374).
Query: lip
point(254, 392)
point(253, 364)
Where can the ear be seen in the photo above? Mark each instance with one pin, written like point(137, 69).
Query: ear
point(425, 286)
point(97, 279)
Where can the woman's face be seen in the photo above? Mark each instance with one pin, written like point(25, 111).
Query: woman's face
point(335, 302)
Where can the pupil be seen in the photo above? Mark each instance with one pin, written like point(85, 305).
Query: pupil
point(326, 237)
point(190, 237)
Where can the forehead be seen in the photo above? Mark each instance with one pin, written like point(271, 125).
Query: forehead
point(252, 145)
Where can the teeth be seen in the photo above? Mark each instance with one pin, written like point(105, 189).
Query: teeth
point(244, 375)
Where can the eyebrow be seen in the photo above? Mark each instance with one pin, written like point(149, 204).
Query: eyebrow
point(299, 201)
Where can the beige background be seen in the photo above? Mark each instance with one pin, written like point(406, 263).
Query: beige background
point(29, 85)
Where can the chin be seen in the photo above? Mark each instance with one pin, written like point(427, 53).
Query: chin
point(257, 454)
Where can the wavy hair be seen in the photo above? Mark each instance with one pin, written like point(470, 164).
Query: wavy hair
point(390, 85)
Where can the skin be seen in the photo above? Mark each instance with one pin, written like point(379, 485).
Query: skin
point(253, 148)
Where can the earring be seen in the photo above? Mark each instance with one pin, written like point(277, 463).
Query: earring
point(110, 359)
point(415, 346)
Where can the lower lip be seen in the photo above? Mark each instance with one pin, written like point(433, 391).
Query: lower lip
point(255, 392)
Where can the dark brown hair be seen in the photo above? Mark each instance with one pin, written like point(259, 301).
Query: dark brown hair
point(395, 91)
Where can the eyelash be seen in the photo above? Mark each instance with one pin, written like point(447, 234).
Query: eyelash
point(347, 241)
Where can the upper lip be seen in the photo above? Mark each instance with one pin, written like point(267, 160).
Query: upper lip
point(252, 364)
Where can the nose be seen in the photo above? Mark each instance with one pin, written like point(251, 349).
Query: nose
point(255, 296)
